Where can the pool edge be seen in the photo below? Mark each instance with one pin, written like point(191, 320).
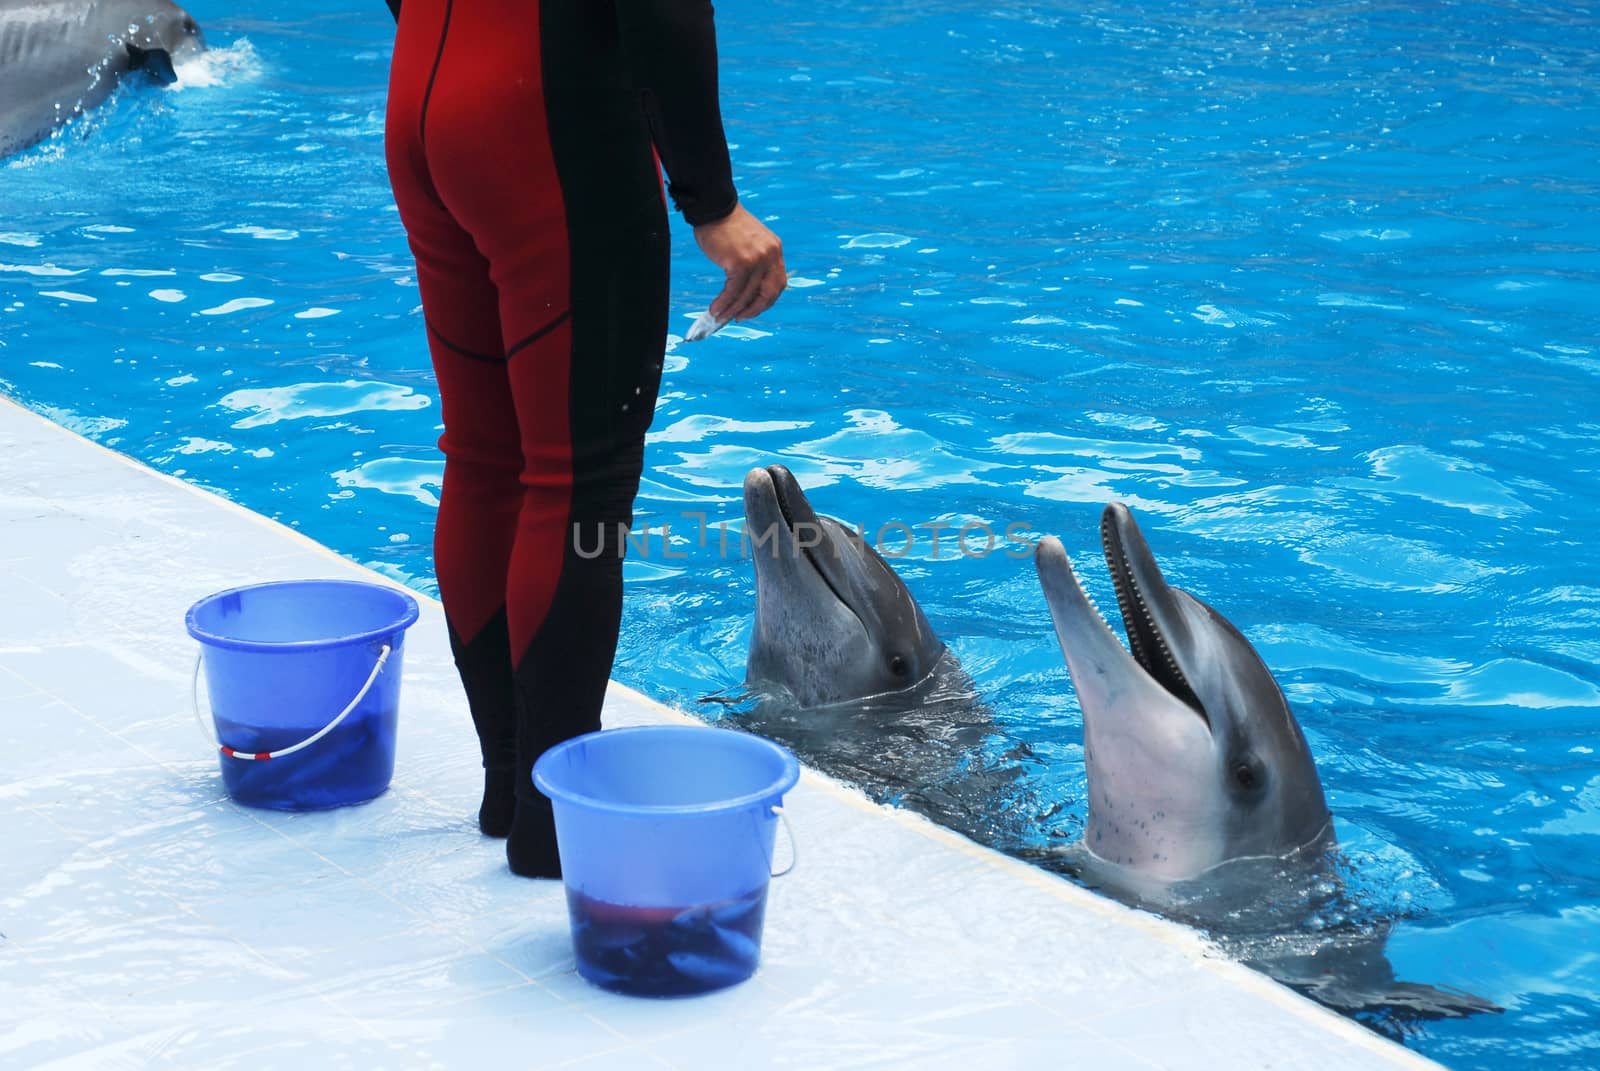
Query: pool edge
point(1189, 943)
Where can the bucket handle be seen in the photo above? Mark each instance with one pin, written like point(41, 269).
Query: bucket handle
point(262, 756)
point(794, 847)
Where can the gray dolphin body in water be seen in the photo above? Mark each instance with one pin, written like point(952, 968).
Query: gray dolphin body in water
point(1204, 800)
point(845, 669)
point(59, 58)
point(834, 623)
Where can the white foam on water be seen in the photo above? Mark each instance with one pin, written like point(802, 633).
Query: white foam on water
point(43, 270)
point(194, 445)
point(270, 234)
point(217, 66)
point(315, 314)
point(740, 331)
point(877, 240)
point(1372, 234)
point(169, 296)
point(408, 477)
point(269, 405)
point(236, 305)
point(1333, 300)
point(69, 295)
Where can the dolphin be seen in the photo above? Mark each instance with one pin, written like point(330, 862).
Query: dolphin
point(1193, 756)
point(1204, 800)
point(834, 622)
point(59, 58)
point(845, 669)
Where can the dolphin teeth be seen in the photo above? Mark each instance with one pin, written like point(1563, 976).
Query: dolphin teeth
point(1090, 600)
point(1133, 607)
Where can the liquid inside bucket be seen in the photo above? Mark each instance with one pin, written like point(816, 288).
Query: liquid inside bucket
point(666, 836)
point(352, 764)
point(667, 952)
point(282, 661)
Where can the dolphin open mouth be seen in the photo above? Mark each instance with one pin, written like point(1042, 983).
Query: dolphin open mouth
point(1141, 596)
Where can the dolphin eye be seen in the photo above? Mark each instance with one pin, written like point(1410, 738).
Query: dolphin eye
point(897, 666)
point(1247, 774)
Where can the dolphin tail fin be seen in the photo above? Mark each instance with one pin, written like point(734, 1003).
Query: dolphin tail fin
point(1417, 1001)
point(1397, 1008)
point(156, 62)
point(729, 697)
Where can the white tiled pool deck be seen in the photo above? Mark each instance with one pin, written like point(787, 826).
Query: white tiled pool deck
point(148, 921)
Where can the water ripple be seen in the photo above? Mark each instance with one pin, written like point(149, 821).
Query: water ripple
point(269, 405)
point(407, 477)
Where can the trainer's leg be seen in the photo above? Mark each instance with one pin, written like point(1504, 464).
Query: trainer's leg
point(481, 493)
point(612, 353)
point(583, 449)
point(557, 185)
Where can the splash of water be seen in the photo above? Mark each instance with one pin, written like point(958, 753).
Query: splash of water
point(237, 63)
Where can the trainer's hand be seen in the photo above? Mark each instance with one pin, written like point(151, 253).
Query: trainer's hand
point(752, 257)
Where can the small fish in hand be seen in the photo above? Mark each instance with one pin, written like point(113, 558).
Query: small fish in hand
point(704, 326)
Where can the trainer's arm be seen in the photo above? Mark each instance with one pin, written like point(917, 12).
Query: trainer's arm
point(671, 47)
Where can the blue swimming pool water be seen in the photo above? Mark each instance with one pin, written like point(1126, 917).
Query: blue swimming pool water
point(1313, 287)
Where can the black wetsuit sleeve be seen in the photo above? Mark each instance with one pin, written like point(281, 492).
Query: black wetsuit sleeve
point(671, 49)
point(394, 8)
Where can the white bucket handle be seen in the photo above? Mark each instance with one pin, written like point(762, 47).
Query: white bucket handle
point(794, 848)
point(262, 756)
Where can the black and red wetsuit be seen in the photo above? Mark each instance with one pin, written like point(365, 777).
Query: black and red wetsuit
point(522, 141)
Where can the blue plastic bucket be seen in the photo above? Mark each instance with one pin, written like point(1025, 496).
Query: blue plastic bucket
point(666, 835)
point(304, 683)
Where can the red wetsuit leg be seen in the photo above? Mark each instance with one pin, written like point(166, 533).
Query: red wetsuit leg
point(524, 174)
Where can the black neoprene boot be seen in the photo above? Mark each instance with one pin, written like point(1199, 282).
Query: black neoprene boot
point(531, 848)
point(485, 667)
point(561, 686)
